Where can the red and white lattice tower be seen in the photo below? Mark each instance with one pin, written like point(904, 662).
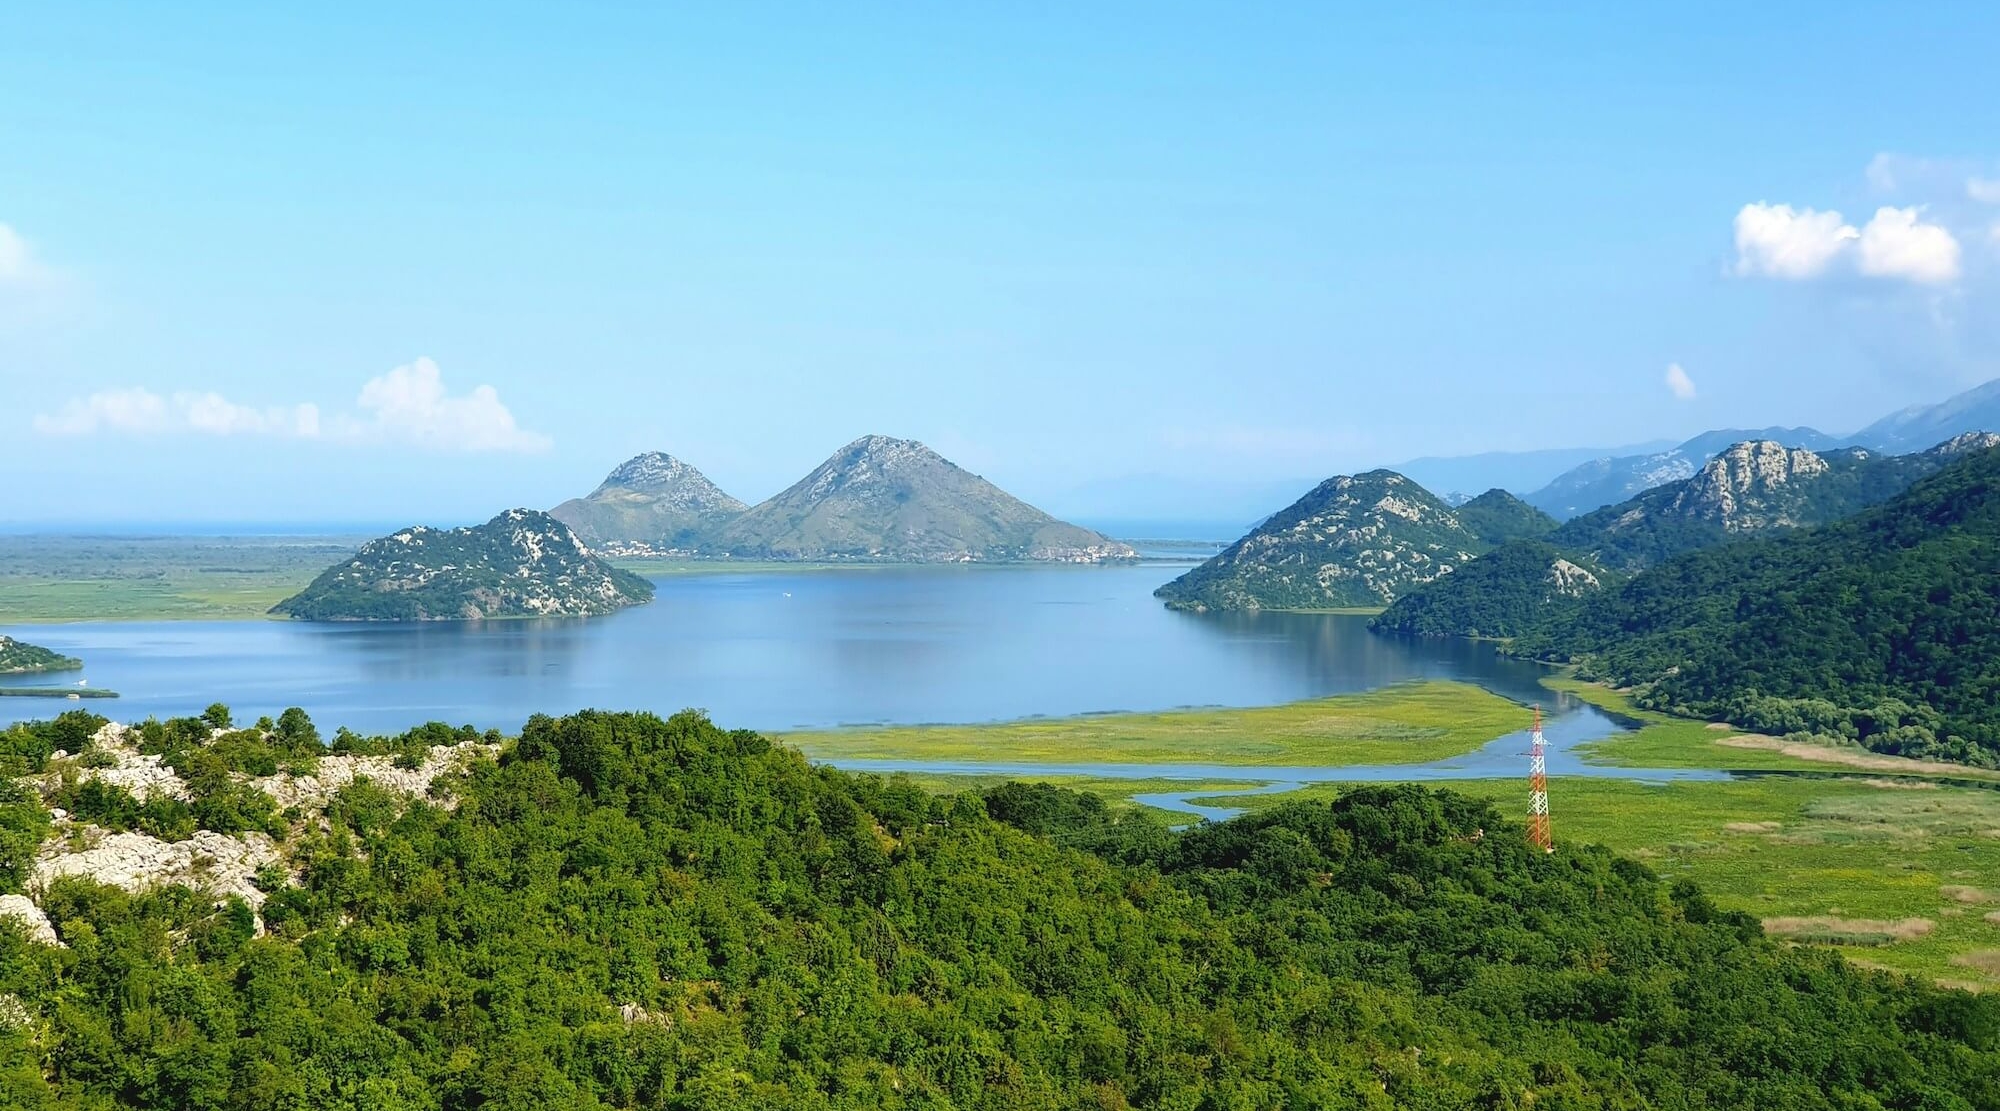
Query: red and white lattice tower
point(1538, 790)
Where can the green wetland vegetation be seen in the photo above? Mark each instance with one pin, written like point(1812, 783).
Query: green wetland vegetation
point(1408, 723)
point(1897, 861)
point(149, 578)
point(626, 911)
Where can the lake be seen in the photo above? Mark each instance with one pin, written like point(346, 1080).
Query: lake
point(773, 650)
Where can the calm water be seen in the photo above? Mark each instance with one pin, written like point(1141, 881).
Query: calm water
point(777, 650)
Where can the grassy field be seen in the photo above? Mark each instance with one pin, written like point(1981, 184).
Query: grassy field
point(1903, 876)
point(1665, 741)
point(1413, 722)
point(148, 578)
point(1902, 871)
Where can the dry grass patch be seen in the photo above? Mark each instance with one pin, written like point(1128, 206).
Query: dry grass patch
point(1960, 893)
point(1827, 929)
point(1753, 827)
point(1993, 916)
point(1983, 960)
point(1850, 757)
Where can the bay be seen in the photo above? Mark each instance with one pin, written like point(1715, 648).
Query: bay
point(776, 650)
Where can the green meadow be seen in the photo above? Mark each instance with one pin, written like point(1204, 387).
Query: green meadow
point(1899, 867)
point(1408, 723)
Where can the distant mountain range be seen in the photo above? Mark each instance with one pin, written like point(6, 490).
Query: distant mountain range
point(1751, 488)
point(1607, 481)
point(1590, 479)
point(1353, 540)
point(522, 563)
point(1456, 478)
point(877, 499)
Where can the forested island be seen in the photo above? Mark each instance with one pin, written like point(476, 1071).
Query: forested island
point(521, 563)
point(21, 658)
point(620, 910)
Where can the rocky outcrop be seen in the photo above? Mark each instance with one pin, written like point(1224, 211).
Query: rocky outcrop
point(216, 863)
point(143, 775)
point(1742, 488)
point(336, 772)
point(32, 921)
point(1568, 580)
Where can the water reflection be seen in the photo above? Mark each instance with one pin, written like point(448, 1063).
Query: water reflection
point(786, 650)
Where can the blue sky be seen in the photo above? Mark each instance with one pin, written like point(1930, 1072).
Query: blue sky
point(361, 264)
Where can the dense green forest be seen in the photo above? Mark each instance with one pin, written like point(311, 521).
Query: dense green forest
point(1504, 593)
point(1753, 489)
point(1497, 517)
point(626, 911)
point(1884, 628)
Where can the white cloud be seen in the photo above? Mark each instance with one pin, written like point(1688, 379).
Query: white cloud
point(1777, 241)
point(143, 411)
point(1897, 244)
point(1886, 170)
point(1983, 190)
point(1679, 382)
point(410, 404)
point(17, 262)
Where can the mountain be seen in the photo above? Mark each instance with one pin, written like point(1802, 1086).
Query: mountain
point(520, 564)
point(888, 500)
point(1453, 477)
point(1750, 488)
point(1353, 540)
point(1602, 482)
point(1918, 425)
point(20, 658)
point(1497, 517)
point(1883, 628)
point(650, 502)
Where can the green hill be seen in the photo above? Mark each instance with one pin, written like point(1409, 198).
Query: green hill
point(1504, 593)
point(1353, 540)
point(885, 500)
point(1497, 517)
point(520, 564)
point(651, 502)
point(1884, 628)
point(1751, 488)
point(20, 658)
point(629, 912)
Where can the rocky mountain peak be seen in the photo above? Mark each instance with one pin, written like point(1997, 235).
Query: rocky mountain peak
point(650, 503)
point(884, 499)
point(1743, 477)
point(1965, 442)
point(647, 472)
